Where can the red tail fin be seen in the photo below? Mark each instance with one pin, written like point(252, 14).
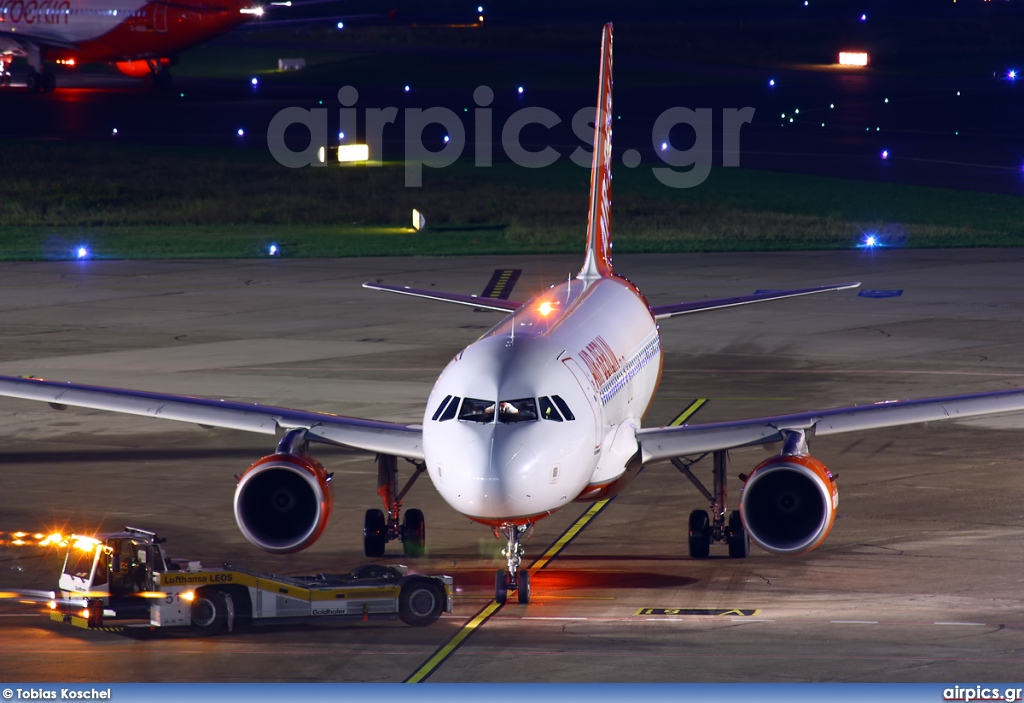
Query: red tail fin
point(599, 228)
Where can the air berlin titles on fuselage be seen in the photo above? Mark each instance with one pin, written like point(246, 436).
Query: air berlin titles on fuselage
point(600, 359)
point(33, 12)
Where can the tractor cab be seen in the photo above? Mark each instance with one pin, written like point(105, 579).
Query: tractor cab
point(115, 568)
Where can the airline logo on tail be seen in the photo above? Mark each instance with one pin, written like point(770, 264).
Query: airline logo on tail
point(599, 241)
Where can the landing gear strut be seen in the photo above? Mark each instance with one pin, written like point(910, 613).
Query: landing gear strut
point(705, 530)
point(515, 579)
point(39, 80)
point(159, 78)
point(380, 527)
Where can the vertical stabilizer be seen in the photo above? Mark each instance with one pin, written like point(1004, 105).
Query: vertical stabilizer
point(598, 263)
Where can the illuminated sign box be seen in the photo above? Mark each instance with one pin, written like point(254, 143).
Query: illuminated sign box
point(349, 153)
point(853, 58)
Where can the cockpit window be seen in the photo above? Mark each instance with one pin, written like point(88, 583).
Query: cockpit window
point(476, 410)
point(566, 412)
point(521, 410)
point(441, 407)
point(548, 411)
point(449, 412)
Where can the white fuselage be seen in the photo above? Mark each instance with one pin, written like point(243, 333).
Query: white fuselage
point(498, 441)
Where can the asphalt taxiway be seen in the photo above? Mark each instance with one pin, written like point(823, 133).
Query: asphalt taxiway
point(922, 578)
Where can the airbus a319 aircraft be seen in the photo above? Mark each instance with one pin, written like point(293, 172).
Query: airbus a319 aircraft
point(141, 37)
point(543, 410)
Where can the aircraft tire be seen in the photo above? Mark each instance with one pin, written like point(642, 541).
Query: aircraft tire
point(48, 82)
point(699, 535)
point(501, 587)
point(739, 540)
point(523, 591)
point(375, 533)
point(414, 533)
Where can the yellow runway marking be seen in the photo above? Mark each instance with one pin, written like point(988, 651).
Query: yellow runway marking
point(451, 645)
point(690, 410)
point(568, 535)
point(448, 648)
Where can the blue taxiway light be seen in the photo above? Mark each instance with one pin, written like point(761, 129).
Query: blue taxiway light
point(82, 253)
point(273, 250)
point(255, 81)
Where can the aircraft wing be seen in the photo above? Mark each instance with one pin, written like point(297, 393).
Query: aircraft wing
point(369, 435)
point(460, 298)
point(11, 42)
point(661, 312)
point(658, 443)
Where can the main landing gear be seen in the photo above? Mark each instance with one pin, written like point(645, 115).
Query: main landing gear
point(705, 530)
point(44, 82)
point(379, 527)
point(515, 579)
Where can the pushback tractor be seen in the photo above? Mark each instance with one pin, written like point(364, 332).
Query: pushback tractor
point(126, 576)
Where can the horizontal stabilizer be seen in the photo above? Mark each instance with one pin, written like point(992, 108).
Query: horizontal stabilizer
point(663, 311)
point(475, 301)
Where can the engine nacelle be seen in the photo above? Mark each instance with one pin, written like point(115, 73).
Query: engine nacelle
point(789, 503)
point(139, 68)
point(283, 502)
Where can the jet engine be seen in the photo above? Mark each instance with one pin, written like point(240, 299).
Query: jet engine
point(789, 503)
point(283, 501)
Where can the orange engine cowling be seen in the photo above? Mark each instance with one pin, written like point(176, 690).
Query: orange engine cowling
point(789, 503)
point(283, 501)
point(139, 68)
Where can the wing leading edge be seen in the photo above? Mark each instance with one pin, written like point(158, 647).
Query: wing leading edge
point(658, 443)
point(369, 435)
point(661, 312)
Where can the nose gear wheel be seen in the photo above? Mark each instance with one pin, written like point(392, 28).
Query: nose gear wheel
point(514, 579)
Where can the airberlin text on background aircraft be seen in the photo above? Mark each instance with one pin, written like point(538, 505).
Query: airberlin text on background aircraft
point(32, 12)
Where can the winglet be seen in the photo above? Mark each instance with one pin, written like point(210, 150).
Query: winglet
point(598, 263)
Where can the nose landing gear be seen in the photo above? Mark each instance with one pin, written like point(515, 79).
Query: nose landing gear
point(515, 579)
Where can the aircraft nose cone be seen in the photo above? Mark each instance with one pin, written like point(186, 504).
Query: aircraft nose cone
point(513, 465)
point(495, 477)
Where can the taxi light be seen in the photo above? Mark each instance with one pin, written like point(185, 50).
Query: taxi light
point(546, 308)
point(853, 58)
point(255, 11)
point(86, 544)
point(55, 539)
point(188, 596)
point(85, 613)
point(353, 153)
point(52, 605)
